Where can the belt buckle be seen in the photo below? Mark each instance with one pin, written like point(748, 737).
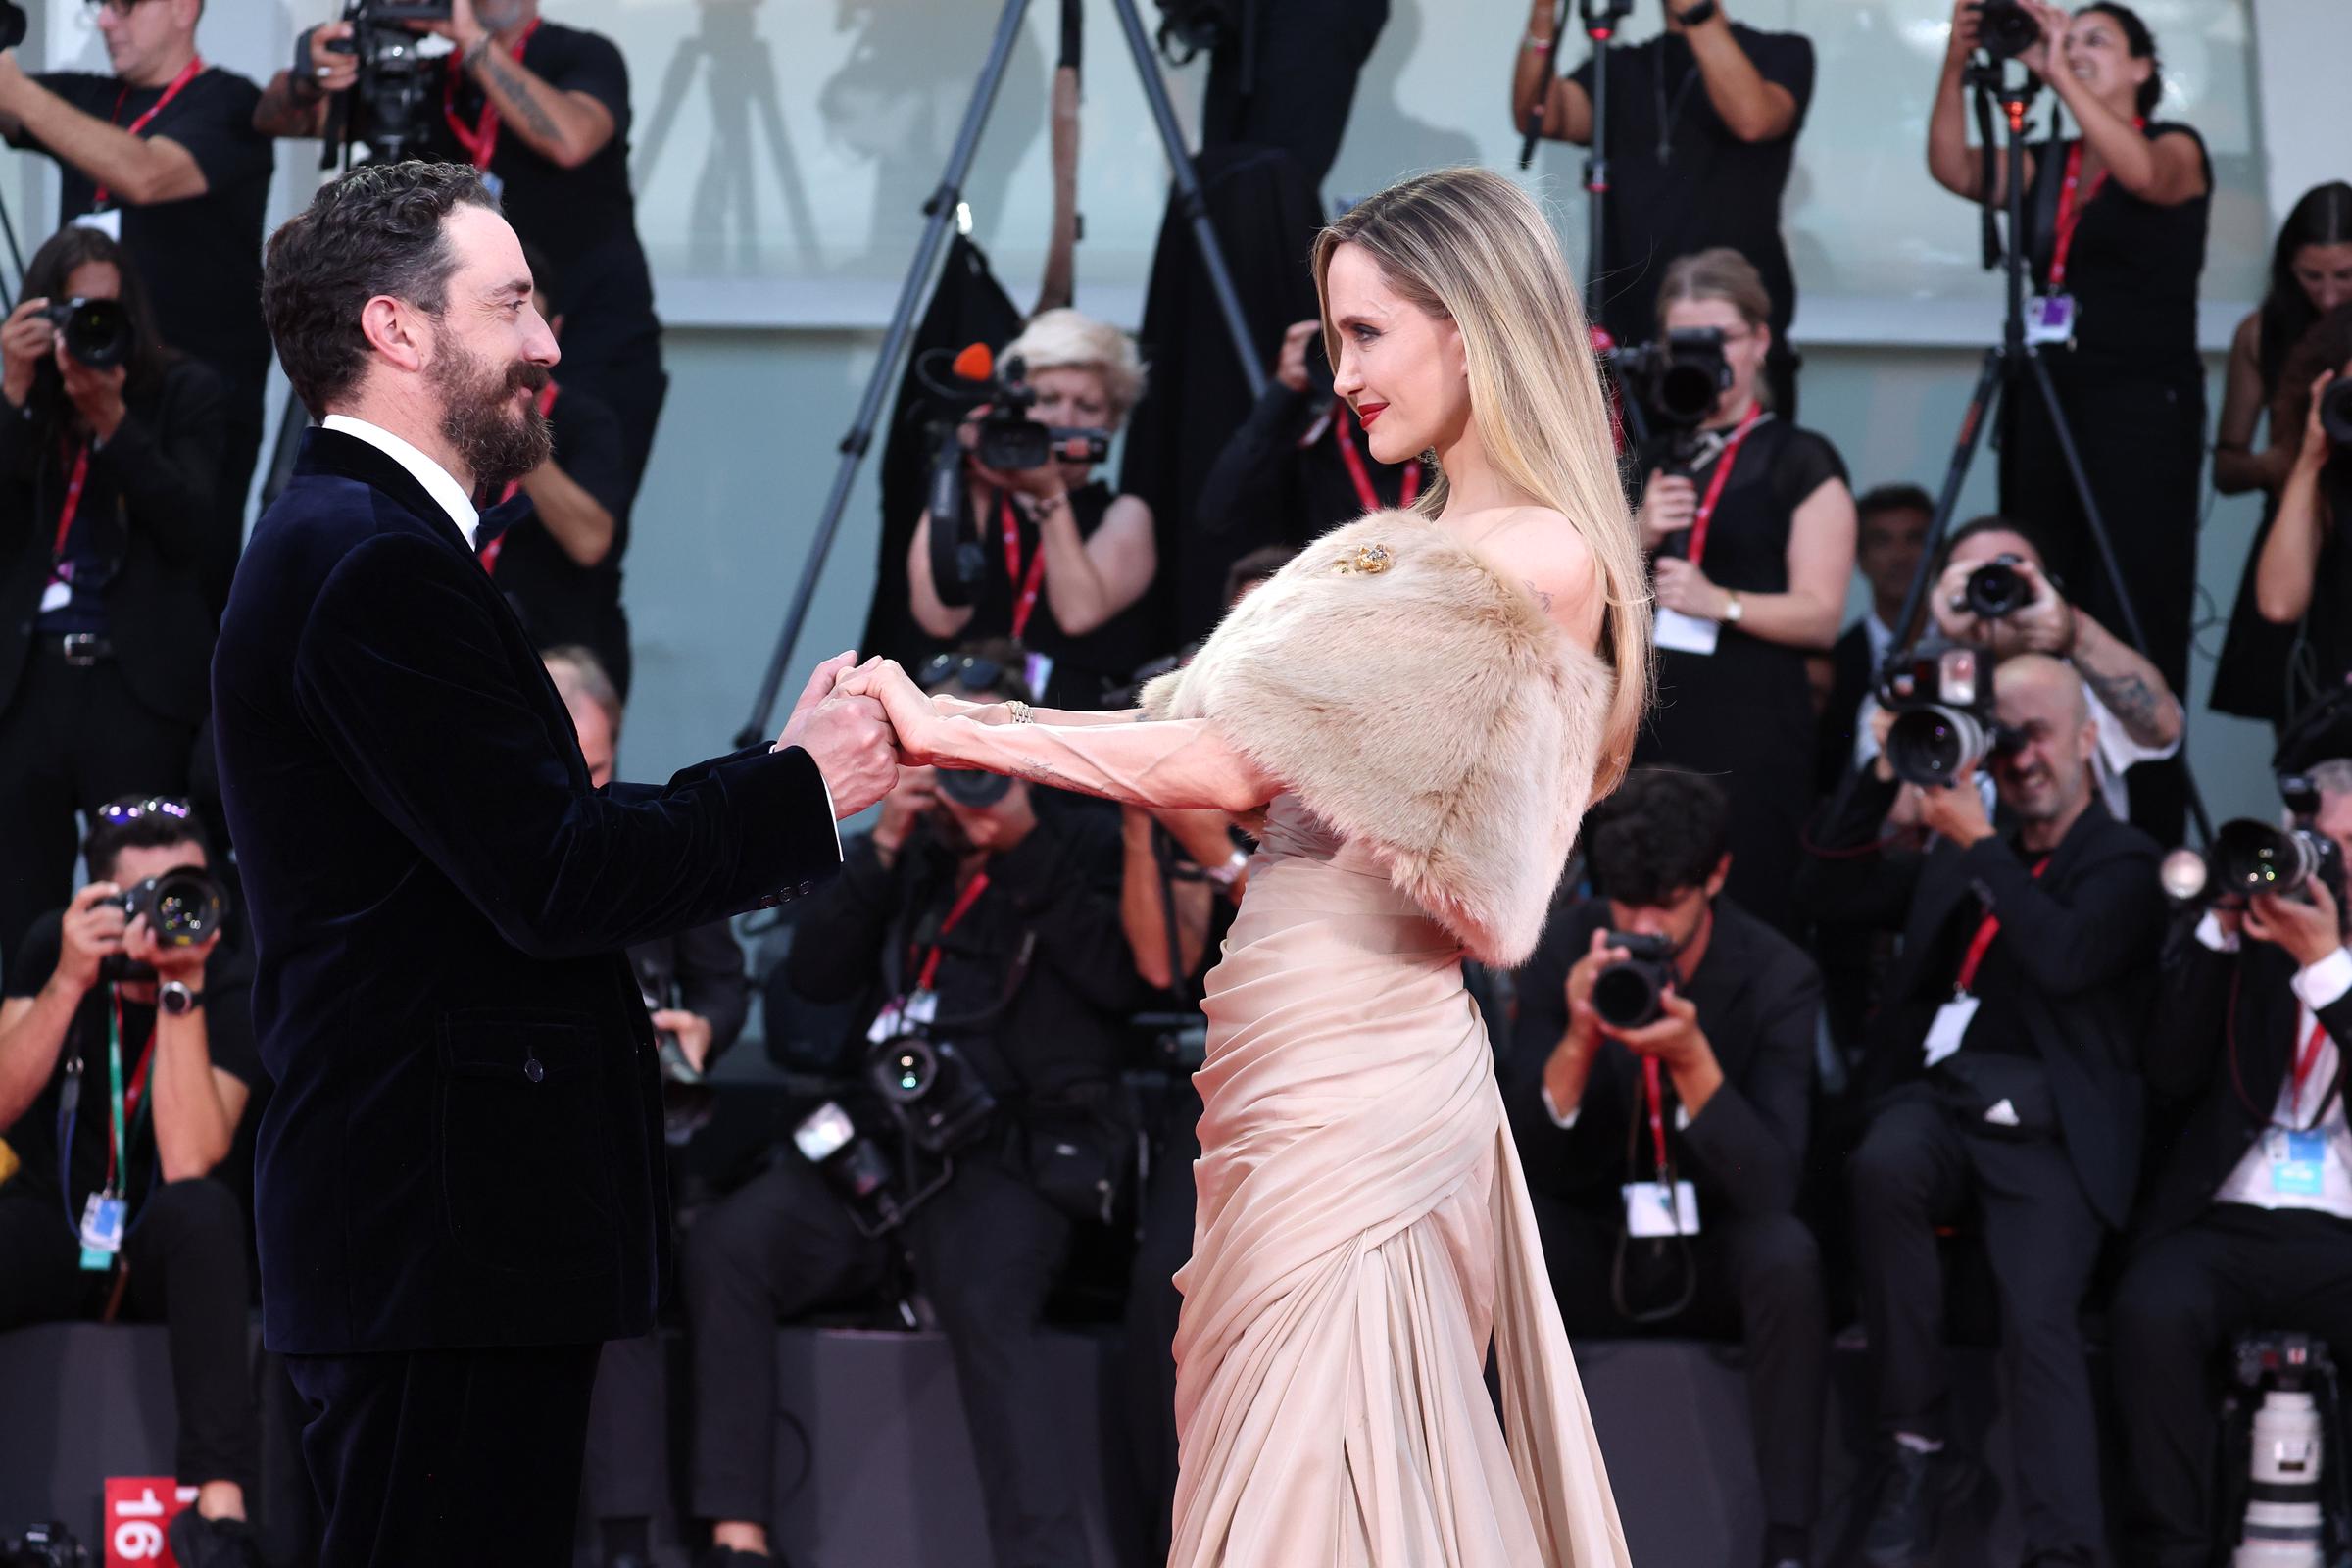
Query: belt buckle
point(81, 648)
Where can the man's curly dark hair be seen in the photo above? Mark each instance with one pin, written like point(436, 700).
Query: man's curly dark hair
point(375, 230)
point(1663, 831)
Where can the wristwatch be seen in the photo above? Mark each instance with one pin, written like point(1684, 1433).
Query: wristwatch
point(1692, 16)
point(176, 998)
point(1733, 607)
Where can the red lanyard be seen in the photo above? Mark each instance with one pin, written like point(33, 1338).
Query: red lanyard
point(1342, 416)
point(1985, 931)
point(479, 139)
point(956, 914)
point(1657, 1112)
point(1715, 483)
point(131, 1099)
point(2305, 1060)
point(490, 551)
point(2070, 215)
point(187, 73)
point(1025, 605)
point(72, 500)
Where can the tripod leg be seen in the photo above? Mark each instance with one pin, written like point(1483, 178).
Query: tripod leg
point(1982, 405)
point(940, 212)
point(1189, 199)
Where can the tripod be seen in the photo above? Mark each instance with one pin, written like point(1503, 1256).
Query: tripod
point(2018, 358)
point(939, 213)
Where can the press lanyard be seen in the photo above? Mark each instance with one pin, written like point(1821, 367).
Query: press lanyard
point(2070, 215)
point(1717, 480)
point(72, 500)
point(1657, 1115)
point(1025, 605)
point(118, 1158)
point(1340, 418)
point(963, 907)
point(480, 139)
point(187, 73)
point(2305, 1060)
point(1987, 929)
point(490, 551)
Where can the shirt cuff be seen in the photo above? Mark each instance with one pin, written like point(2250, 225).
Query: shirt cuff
point(2325, 983)
point(831, 816)
point(1554, 1112)
point(2210, 932)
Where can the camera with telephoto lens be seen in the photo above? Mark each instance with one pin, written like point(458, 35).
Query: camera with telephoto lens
point(1627, 990)
point(2335, 411)
point(1941, 699)
point(2248, 857)
point(1997, 589)
point(2284, 1385)
point(1680, 380)
point(932, 1090)
point(97, 332)
point(2005, 28)
point(45, 1544)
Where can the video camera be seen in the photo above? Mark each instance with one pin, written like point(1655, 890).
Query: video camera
point(1680, 378)
point(2248, 857)
point(398, 81)
point(1941, 699)
point(1627, 990)
point(2005, 28)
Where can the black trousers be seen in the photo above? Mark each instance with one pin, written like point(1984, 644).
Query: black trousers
point(454, 1457)
point(185, 1257)
point(1147, 1353)
point(71, 738)
point(626, 1473)
point(2182, 1299)
point(987, 1249)
point(1919, 1166)
point(1758, 1281)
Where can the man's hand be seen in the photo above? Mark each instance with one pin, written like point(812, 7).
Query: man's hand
point(463, 28)
point(914, 721)
point(1956, 810)
point(96, 395)
point(184, 965)
point(1668, 505)
point(1583, 1021)
point(917, 793)
point(93, 932)
point(999, 828)
point(330, 71)
point(692, 1031)
point(1289, 367)
point(2308, 931)
point(846, 736)
point(25, 340)
point(1673, 1037)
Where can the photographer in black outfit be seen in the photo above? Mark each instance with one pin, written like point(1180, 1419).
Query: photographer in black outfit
point(108, 538)
point(2249, 1224)
point(163, 156)
point(543, 110)
point(2004, 1069)
point(1729, 1057)
point(149, 1075)
point(998, 920)
point(2303, 574)
point(1702, 132)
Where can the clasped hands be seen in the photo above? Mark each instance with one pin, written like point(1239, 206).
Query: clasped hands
point(860, 723)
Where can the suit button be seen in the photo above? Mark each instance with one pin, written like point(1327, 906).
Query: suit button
point(808, 888)
point(532, 1071)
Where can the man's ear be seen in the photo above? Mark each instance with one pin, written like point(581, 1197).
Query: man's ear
point(1721, 874)
point(397, 331)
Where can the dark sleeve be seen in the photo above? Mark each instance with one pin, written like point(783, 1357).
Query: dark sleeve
point(2191, 1018)
point(1581, 75)
point(36, 957)
point(1563, 1161)
point(1785, 60)
point(403, 671)
point(1064, 879)
point(712, 982)
point(228, 1036)
point(216, 129)
point(589, 448)
point(19, 454)
point(837, 941)
point(592, 65)
point(1805, 464)
point(168, 463)
point(1751, 1134)
point(2172, 128)
point(2105, 924)
point(1245, 487)
point(1845, 875)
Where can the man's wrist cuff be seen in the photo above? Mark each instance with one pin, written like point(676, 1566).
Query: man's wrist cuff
point(2325, 983)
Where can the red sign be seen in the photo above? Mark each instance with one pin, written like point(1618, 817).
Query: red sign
point(138, 1510)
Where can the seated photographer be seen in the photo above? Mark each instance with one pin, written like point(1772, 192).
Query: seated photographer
point(2248, 1225)
point(1752, 530)
point(1298, 466)
point(2002, 1076)
point(125, 1063)
point(1052, 539)
point(983, 914)
point(2303, 576)
point(1890, 530)
point(1720, 1027)
point(107, 535)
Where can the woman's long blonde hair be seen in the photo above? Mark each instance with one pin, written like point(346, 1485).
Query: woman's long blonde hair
point(1469, 245)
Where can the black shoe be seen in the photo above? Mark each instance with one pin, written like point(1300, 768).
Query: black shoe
point(201, 1543)
point(1912, 1490)
point(729, 1557)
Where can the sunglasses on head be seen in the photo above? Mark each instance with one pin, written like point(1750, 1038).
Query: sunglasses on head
point(129, 808)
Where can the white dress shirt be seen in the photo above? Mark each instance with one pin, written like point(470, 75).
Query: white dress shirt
point(2316, 987)
point(425, 471)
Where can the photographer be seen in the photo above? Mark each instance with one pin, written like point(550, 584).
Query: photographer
point(2300, 575)
point(1731, 1049)
point(2117, 219)
point(1701, 135)
point(1890, 531)
point(1299, 465)
point(543, 110)
point(108, 537)
point(162, 157)
point(1054, 540)
point(1752, 531)
point(2249, 1224)
point(997, 921)
point(120, 1090)
point(2003, 1077)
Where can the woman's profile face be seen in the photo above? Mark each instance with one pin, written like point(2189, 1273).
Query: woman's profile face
point(1744, 346)
point(1399, 366)
point(2326, 273)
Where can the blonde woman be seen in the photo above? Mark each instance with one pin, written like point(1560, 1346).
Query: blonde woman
point(1415, 713)
point(1064, 558)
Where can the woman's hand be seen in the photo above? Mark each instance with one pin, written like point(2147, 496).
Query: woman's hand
point(1963, 38)
point(2045, 58)
point(1682, 586)
point(1668, 505)
point(912, 719)
point(25, 340)
point(2314, 453)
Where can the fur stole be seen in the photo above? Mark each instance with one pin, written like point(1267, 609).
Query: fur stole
point(1417, 701)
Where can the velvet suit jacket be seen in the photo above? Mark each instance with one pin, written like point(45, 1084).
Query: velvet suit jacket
point(462, 1148)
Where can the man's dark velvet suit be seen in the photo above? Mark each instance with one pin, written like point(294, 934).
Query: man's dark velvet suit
point(460, 1153)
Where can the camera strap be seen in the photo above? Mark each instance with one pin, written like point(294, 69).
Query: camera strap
point(72, 503)
point(927, 975)
point(1987, 929)
point(479, 139)
point(2069, 211)
point(1342, 419)
point(1024, 603)
point(1653, 1091)
point(187, 73)
point(134, 1095)
point(1717, 480)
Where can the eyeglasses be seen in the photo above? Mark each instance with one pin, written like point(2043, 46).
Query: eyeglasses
point(968, 670)
point(129, 808)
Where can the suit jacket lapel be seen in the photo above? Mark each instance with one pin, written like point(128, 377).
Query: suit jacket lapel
point(347, 456)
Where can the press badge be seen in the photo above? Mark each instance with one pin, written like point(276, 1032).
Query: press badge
point(2295, 1162)
point(903, 1013)
point(1685, 634)
point(2050, 319)
point(102, 1220)
point(57, 594)
point(1949, 1028)
point(1647, 1213)
point(108, 222)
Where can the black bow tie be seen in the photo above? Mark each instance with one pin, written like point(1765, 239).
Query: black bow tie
point(496, 520)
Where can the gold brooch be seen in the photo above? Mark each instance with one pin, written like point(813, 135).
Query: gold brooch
point(1370, 560)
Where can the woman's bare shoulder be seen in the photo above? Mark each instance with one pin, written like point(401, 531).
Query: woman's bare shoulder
point(1540, 549)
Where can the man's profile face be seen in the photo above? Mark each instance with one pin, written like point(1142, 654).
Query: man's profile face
point(491, 351)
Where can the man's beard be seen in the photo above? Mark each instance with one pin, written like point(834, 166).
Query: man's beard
point(479, 418)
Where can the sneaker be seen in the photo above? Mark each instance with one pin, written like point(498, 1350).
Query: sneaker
point(1904, 1517)
point(201, 1543)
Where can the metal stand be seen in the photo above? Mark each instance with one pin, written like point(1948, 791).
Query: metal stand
point(939, 213)
point(2005, 365)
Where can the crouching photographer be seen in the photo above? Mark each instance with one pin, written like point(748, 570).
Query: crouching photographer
point(2248, 1225)
point(978, 927)
point(2002, 1077)
point(126, 1056)
point(1664, 1045)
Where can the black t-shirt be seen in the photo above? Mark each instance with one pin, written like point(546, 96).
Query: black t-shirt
point(201, 258)
point(558, 600)
point(2133, 267)
point(227, 1015)
point(1083, 667)
point(1709, 188)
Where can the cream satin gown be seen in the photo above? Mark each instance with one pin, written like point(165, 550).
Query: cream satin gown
point(1363, 1228)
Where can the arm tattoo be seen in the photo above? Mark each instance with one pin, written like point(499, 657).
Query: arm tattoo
point(513, 84)
point(1542, 598)
point(2126, 697)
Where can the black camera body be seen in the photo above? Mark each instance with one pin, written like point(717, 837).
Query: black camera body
point(398, 82)
point(2005, 28)
point(97, 332)
point(1007, 440)
point(1627, 990)
point(45, 1544)
point(2335, 411)
point(1997, 589)
point(1680, 378)
point(2248, 857)
point(183, 908)
point(1941, 699)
